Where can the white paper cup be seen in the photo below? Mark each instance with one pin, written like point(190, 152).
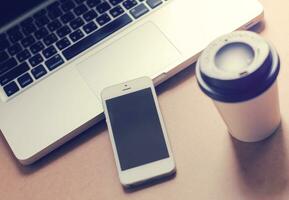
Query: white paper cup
point(239, 72)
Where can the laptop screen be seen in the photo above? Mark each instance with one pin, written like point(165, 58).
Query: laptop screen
point(11, 9)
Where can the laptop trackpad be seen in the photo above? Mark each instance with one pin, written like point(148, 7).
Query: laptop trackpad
point(144, 51)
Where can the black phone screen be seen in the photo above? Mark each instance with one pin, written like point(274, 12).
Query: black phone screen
point(136, 129)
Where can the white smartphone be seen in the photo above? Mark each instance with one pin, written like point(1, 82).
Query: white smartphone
point(137, 132)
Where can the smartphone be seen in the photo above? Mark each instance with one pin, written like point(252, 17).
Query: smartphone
point(137, 132)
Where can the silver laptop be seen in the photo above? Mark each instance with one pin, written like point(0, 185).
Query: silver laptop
point(57, 56)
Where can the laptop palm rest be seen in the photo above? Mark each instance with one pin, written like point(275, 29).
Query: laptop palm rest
point(144, 51)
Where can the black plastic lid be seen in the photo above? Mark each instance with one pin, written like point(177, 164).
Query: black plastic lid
point(242, 80)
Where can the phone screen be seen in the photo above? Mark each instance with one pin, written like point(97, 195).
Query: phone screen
point(136, 129)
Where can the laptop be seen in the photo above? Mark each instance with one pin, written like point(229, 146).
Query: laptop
point(57, 55)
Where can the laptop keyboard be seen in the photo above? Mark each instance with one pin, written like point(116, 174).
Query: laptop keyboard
point(43, 42)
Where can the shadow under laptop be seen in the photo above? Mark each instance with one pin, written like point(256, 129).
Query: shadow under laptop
point(72, 144)
point(262, 167)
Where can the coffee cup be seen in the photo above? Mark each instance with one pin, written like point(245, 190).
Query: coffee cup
point(238, 71)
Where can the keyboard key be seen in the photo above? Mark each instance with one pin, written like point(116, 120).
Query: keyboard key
point(7, 65)
point(4, 44)
point(90, 15)
point(154, 3)
point(28, 41)
point(50, 39)
point(103, 7)
point(52, 26)
point(67, 17)
point(62, 44)
point(25, 80)
point(36, 60)
point(54, 62)
point(103, 19)
point(41, 33)
point(79, 10)
point(128, 4)
point(93, 3)
point(54, 13)
point(88, 28)
point(96, 36)
point(13, 73)
point(75, 24)
point(38, 71)
point(23, 55)
point(16, 48)
point(115, 12)
point(65, 30)
point(15, 35)
point(41, 21)
point(29, 28)
point(139, 11)
point(50, 51)
point(76, 35)
point(11, 89)
point(67, 6)
point(38, 46)
point(3, 56)
point(27, 22)
point(115, 2)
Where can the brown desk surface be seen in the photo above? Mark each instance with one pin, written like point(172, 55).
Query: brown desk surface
point(210, 164)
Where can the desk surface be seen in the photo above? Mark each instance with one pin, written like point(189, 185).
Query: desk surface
point(210, 164)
